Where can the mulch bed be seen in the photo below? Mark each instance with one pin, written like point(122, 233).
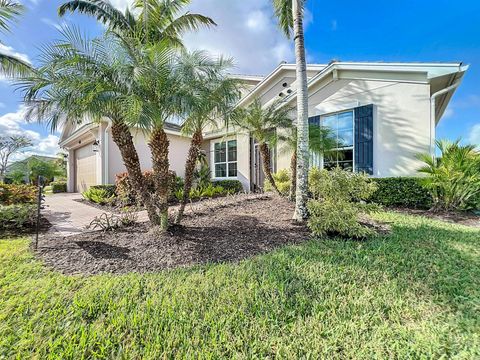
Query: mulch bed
point(31, 230)
point(462, 218)
point(218, 232)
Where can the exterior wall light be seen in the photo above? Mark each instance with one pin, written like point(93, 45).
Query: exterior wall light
point(95, 145)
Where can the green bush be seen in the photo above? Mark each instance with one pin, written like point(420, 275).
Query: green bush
point(233, 186)
point(401, 191)
point(17, 216)
point(58, 186)
point(109, 188)
point(338, 202)
point(98, 196)
point(11, 194)
point(453, 178)
point(282, 180)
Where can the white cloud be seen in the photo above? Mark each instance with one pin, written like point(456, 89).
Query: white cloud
point(247, 31)
point(11, 124)
point(122, 4)
point(334, 26)
point(448, 112)
point(8, 50)
point(474, 137)
point(52, 23)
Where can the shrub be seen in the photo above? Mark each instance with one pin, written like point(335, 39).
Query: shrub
point(127, 194)
point(232, 186)
point(98, 196)
point(17, 194)
point(17, 216)
point(58, 186)
point(453, 179)
point(338, 202)
point(401, 191)
point(282, 180)
point(109, 188)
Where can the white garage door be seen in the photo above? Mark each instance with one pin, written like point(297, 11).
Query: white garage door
point(85, 168)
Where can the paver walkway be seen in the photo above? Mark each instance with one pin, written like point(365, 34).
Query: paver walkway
point(66, 215)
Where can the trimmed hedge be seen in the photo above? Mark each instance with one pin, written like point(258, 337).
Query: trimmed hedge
point(234, 186)
point(17, 194)
point(58, 187)
point(401, 191)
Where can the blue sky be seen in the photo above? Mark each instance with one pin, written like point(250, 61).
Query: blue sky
point(352, 30)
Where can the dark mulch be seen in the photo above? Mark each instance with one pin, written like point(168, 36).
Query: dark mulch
point(462, 218)
point(228, 232)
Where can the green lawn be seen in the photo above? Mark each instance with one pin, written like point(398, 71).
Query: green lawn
point(413, 294)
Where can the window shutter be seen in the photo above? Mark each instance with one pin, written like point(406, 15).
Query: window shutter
point(363, 147)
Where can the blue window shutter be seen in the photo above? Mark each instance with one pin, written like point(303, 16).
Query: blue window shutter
point(363, 144)
point(314, 120)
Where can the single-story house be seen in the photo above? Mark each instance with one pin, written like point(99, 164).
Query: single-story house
point(385, 114)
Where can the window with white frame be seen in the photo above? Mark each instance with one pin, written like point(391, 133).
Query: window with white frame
point(341, 124)
point(225, 159)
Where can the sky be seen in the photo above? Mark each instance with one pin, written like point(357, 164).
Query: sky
point(350, 30)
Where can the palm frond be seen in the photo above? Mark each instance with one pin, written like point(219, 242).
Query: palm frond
point(9, 11)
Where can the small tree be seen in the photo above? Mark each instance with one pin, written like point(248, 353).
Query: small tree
point(262, 122)
point(9, 145)
point(47, 169)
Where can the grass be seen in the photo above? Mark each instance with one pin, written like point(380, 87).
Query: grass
point(412, 294)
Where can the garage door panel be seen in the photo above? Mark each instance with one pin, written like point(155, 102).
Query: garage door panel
point(85, 168)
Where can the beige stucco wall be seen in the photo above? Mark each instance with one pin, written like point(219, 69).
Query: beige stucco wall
point(401, 120)
point(177, 154)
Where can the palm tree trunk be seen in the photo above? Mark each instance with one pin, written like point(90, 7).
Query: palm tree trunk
point(159, 147)
point(293, 168)
point(301, 193)
point(123, 139)
point(189, 171)
point(267, 168)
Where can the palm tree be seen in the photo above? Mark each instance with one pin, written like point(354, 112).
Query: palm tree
point(9, 65)
point(80, 78)
point(158, 25)
point(290, 16)
point(209, 94)
point(321, 141)
point(262, 122)
point(158, 20)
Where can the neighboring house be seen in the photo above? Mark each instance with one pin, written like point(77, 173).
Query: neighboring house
point(385, 114)
point(22, 165)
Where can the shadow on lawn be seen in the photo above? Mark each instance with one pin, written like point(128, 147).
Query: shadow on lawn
point(426, 260)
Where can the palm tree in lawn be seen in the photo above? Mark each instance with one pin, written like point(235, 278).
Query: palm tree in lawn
point(321, 141)
point(79, 78)
point(261, 122)
point(11, 66)
point(290, 16)
point(209, 94)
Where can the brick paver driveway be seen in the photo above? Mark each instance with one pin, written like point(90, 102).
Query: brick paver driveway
point(67, 215)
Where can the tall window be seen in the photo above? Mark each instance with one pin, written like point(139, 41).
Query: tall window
point(225, 159)
point(341, 125)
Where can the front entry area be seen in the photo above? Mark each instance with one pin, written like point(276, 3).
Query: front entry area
point(85, 168)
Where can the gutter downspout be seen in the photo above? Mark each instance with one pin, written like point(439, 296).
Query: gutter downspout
point(105, 153)
point(432, 113)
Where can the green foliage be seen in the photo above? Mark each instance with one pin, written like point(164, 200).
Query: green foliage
point(282, 180)
point(233, 186)
point(338, 202)
point(98, 196)
point(17, 176)
point(209, 191)
point(17, 216)
point(401, 191)
point(109, 188)
point(11, 194)
point(58, 186)
point(48, 169)
point(410, 295)
point(453, 178)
